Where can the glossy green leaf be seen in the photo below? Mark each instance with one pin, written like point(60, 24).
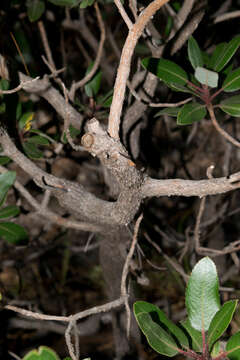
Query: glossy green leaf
point(32, 151)
point(43, 353)
point(9, 211)
point(190, 113)
point(166, 70)
point(233, 347)
point(6, 181)
point(13, 233)
point(65, 2)
point(195, 335)
point(194, 53)
point(225, 53)
point(172, 111)
point(38, 139)
point(86, 3)
point(25, 119)
point(202, 296)
point(231, 105)
point(180, 88)
point(206, 77)
point(156, 336)
point(35, 9)
point(217, 55)
point(93, 86)
point(221, 321)
point(232, 81)
point(158, 316)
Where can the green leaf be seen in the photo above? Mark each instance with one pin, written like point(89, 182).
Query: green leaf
point(4, 84)
point(86, 3)
point(233, 347)
point(172, 111)
point(195, 335)
point(190, 113)
point(93, 86)
point(231, 105)
point(25, 119)
point(223, 54)
point(206, 77)
point(166, 70)
point(38, 139)
point(35, 9)
point(32, 151)
point(217, 55)
point(232, 81)
point(157, 338)
point(216, 349)
point(13, 233)
point(2, 108)
point(202, 296)
point(6, 181)
point(4, 160)
point(141, 307)
point(194, 53)
point(9, 211)
point(43, 353)
point(65, 2)
point(221, 321)
point(73, 132)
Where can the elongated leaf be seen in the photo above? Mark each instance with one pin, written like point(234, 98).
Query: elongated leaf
point(13, 233)
point(168, 111)
point(6, 181)
point(93, 86)
point(65, 2)
point(142, 307)
point(195, 335)
point(43, 353)
point(86, 3)
point(226, 53)
point(221, 321)
point(233, 347)
point(38, 139)
point(9, 211)
point(190, 113)
point(32, 151)
point(157, 338)
point(202, 296)
point(166, 70)
point(217, 55)
point(35, 9)
point(232, 81)
point(194, 53)
point(206, 77)
point(231, 105)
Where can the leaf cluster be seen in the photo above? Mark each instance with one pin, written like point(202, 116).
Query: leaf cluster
point(208, 73)
point(206, 322)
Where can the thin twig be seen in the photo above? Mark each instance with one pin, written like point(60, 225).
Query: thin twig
point(197, 225)
point(77, 85)
point(219, 129)
point(19, 87)
point(81, 315)
point(227, 16)
point(125, 273)
point(46, 44)
point(123, 13)
point(69, 341)
point(125, 63)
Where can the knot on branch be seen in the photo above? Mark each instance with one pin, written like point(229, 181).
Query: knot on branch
point(112, 155)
